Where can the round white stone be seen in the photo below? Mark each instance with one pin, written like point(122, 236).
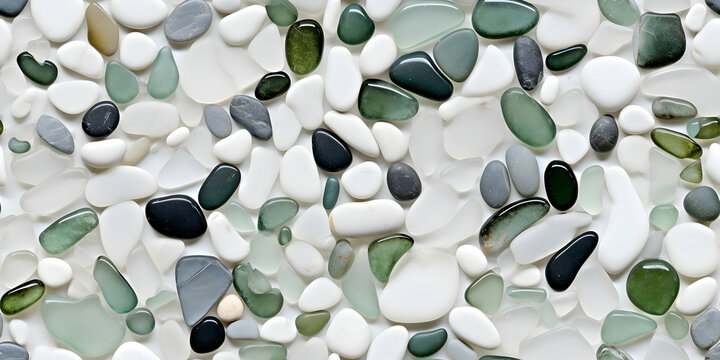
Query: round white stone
point(240, 26)
point(138, 14)
point(58, 20)
point(73, 97)
point(348, 334)
point(610, 81)
point(230, 308)
point(473, 326)
point(120, 228)
point(392, 142)
point(235, 148)
point(54, 272)
point(304, 259)
point(320, 294)
point(377, 55)
point(81, 58)
point(150, 118)
point(177, 137)
point(132, 350)
point(692, 249)
point(118, 184)
point(704, 50)
point(572, 145)
point(19, 331)
point(278, 329)
point(359, 219)
point(696, 297)
point(526, 276)
point(305, 97)
point(228, 244)
point(635, 120)
point(550, 90)
point(493, 72)
point(380, 10)
point(137, 51)
point(227, 6)
point(299, 176)
point(390, 344)
point(695, 18)
point(471, 260)
point(353, 131)
point(362, 181)
point(633, 154)
point(266, 48)
point(342, 79)
point(104, 153)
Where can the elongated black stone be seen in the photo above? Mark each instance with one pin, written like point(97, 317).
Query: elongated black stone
point(176, 216)
point(562, 267)
point(207, 336)
point(564, 59)
point(330, 152)
point(416, 72)
point(561, 185)
point(528, 62)
point(101, 119)
point(219, 186)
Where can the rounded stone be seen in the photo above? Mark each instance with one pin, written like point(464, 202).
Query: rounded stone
point(304, 46)
point(528, 62)
point(495, 184)
point(456, 54)
point(140, 321)
point(341, 259)
point(416, 72)
point(564, 59)
point(705, 328)
point(330, 152)
point(523, 168)
point(563, 267)
point(188, 21)
point(355, 26)
point(101, 120)
point(604, 134)
point(702, 203)
point(498, 19)
point(11, 8)
point(403, 182)
point(207, 336)
point(381, 100)
point(561, 185)
point(272, 85)
point(673, 108)
point(217, 121)
point(659, 40)
point(176, 216)
point(652, 285)
point(253, 115)
point(12, 351)
point(426, 343)
point(219, 186)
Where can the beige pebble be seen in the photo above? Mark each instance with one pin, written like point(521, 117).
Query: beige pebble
point(230, 308)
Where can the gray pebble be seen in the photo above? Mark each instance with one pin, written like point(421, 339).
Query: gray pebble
point(705, 329)
point(188, 21)
point(253, 115)
point(673, 108)
point(403, 182)
point(201, 282)
point(244, 329)
point(604, 134)
point(55, 134)
point(12, 351)
point(702, 203)
point(528, 62)
point(217, 121)
point(523, 168)
point(713, 353)
point(495, 184)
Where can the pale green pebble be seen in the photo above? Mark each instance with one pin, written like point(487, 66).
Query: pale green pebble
point(238, 217)
point(533, 295)
point(18, 146)
point(284, 236)
point(358, 286)
point(592, 186)
point(693, 172)
point(162, 298)
point(140, 321)
point(676, 325)
point(265, 252)
point(622, 326)
point(291, 285)
point(263, 350)
point(548, 316)
point(419, 21)
point(664, 216)
point(486, 292)
point(118, 294)
point(121, 84)
point(258, 283)
point(164, 75)
point(621, 12)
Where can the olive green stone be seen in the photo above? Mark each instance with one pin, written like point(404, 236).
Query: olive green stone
point(381, 100)
point(527, 119)
point(276, 212)
point(140, 321)
point(264, 305)
point(416, 22)
point(664, 216)
point(341, 259)
point(263, 350)
point(331, 192)
point(486, 292)
point(121, 84)
point(219, 186)
point(18, 146)
point(505, 224)
point(427, 343)
point(116, 291)
point(272, 85)
point(21, 297)
point(499, 19)
point(304, 46)
point(693, 172)
point(358, 286)
point(564, 59)
point(281, 12)
point(659, 40)
point(533, 295)
point(68, 230)
point(673, 108)
point(43, 74)
point(622, 326)
point(702, 203)
point(385, 252)
point(164, 75)
point(238, 217)
point(284, 236)
point(676, 325)
point(355, 26)
point(621, 12)
point(704, 127)
point(676, 144)
point(456, 54)
point(311, 323)
point(609, 352)
point(652, 286)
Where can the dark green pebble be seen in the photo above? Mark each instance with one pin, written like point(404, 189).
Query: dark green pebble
point(219, 186)
point(702, 203)
point(565, 58)
point(43, 74)
point(427, 343)
point(381, 100)
point(659, 40)
point(355, 26)
point(498, 19)
point(21, 297)
point(272, 85)
point(561, 185)
point(331, 193)
point(652, 286)
point(703, 127)
point(676, 144)
point(265, 305)
point(416, 72)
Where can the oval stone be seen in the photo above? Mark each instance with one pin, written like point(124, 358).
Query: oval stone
point(121, 84)
point(116, 291)
point(55, 134)
point(426, 343)
point(355, 26)
point(621, 326)
point(527, 119)
point(13, 351)
point(219, 186)
point(416, 72)
point(528, 62)
point(385, 252)
point(42, 74)
point(103, 32)
point(331, 192)
point(403, 182)
point(704, 329)
point(310, 323)
point(101, 120)
point(673, 108)
point(652, 285)
point(253, 115)
point(304, 46)
point(275, 212)
point(498, 19)
point(272, 85)
point(505, 224)
point(676, 144)
point(207, 336)
point(341, 259)
point(217, 121)
point(604, 134)
point(523, 168)
point(188, 21)
point(456, 54)
point(381, 100)
point(702, 203)
point(330, 152)
point(561, 185)
point(68, 230)
point(564, 59)
point(140, 321)
point(21, 297)
point(281, 12)
point(164, 75)
point(495, 184)
point(176, 216)
point(562, 267)
point(419, 21)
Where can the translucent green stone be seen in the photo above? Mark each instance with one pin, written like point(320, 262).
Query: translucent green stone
point(219, 186)
point(18, 146)
point(622, 326)
point(592, 187)
point(284, 236)
point(359, 288)
point(21, 297)
point(258, 283)
point(693, 172)
point(140, 321)
point(118, 294)
point(311, 323)
point(281, 12)
point(304, 46)
point(85, 326)
point(238, 217)
point(673, 108)
point(341, 259)
point(291, 285)
point(161, 299)
point(704, 127)
point(121, 84)
point(164, 75)
point(276, 212)
point(355, 26)
point(659, 40)
point(486, 292)
point(385, 252)
point(426, 343)
point(265, 252)
point(381, 100)
point(263, 305)
point(419, 21)
point(621, 12)
point(263, 350)
point(272, 85)
point(43, 74)
point(533, 295)
point(456, 54)
point(527, 119)
point(676, 325)
point(609, 352)
point(652, 286)
point(548, 316)
point(499, 19)
point(68, 230)
point(664, 216)
point(676, 144)
point(331, 192)
point(564, 59)
point(505, 224)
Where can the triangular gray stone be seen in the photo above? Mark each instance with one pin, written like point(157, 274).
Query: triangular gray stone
point(201, 282)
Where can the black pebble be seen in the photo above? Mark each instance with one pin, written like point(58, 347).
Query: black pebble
point(417, 72)
point(176, 216)
point(604, 134)
point(562, 267)
point(528, 62)
point(272, 85)
point(11, 8)
point(207, 336)
point(253, 115)
point(561, 185)
point(330, 152)
point(714, 5)
point(403, 182)
point(101, 120)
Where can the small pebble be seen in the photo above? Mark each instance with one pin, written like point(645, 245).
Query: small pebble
point(702, 203)
point(604, 134)
point(230, 308)
point(403, 182)
point(495, 184)
point(207, 336)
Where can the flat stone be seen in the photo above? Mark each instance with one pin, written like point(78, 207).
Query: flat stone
point(21, 297)
point(705, 328)
point(385, 252)
point(564, 265)
point(101, 120)
point(363, 180)
point(58, 20)
point(353, 131)
point(702, 203)
point(311, 323)
point(528, 62)
point(121, 84)
point(348, 334)
point(495, 184)
point(139, 14)
point(217, 121)
point(373, 217)
point(117, 292)
point(380, 100)
point(244, 329)
point(176, 216)
point(281, 12)
point(503, 226)
point(473, 326)
point(604, 134)
point(304, 46)
point(55, 134)
point(676, 325)
point(564, 59)
point(621, 326)
point(403, 182)
point(12, 8)
point(527, 119)
point(390, 343)
point(140, 321)
point(673, 108)
point(103, 32)
point(547, 237)
point(498, 19)
point(659, 40)
point(416, 72)
point(207, 336)
point(11, 350)
point(150, 118)
point(253, 115)
point(485, 293)
point(201, 282)
point(219, 186)
point(426, 343)
point(695, 298)
point(263, 350)
point(676, 144)
point(355, 26)
point(456, 54)
point(188, 21)
point(523, 168)
point(610, 82)
point(66, 231)
point(272, 85)
point(377, 55)
point(653, 285)
point(18, 146)
point(691, 247)
point(164, 74)
point(623, 12)
point(329, 151)
point(417, 22)
point(341, 259)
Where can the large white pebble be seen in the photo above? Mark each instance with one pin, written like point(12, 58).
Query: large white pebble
point(278, 329)
point(380, 10)
point(363, 180)
point(368, 218)
point(526, 276)
point(696, 297)
point(240, 26)
point(390, 344)
point(473, 326)
point(353, 131)
point(58, 20)
point(342, 79)
point(305, 97)
point(492, 72)
point(285, 126)
point(471, 260)
point(119, 184)
point(138, 14)
point(572, 145)
point(104, 153)
point(299, 176)
point(150, 118)
point(235, 148)
point(73, 97)
point(132, 350)
point(226, 241)
point(704, 49)
point(266, 48)
point(320, 294)
point(377, 55)
point(692, 249)
point(633, 154)
point(54, 272)
point(137, 51)
point(635, 120)
point(260, 178)
point(348, 334)
point(695, 18)
point(313, 227)
point(177, 136)
point(120, 228)
point(304, 259)
point(392, 142)
point(82, 58)
point(610, 81)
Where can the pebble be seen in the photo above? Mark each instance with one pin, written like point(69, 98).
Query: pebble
point(278, 329)
point(659, 40)
point(456, 54)
point(389, 344)
point(473, 326)
point(58, 20)
point(188, 21)
point(523, 168)
point(128, 183)
point(54, 272)
point(527, 119)
point(363, 180)
point(496, 233)
point(572, 145)
point(253, 115)
point(12, 8)
point(121, 84)
point(299, 177)
point(320, 294)
point(177, 216)
point(19, 331)
point(353, 131)
point(313, 227)
point(305, 98)
point(81, 58)
point(604, 134)
point(12, 350)
point(139, 14)
point(50, 353)
point(610, 93)
point(368, 218)
point(410, 28)
point(417, 73)
point(134, 351)
point(471, 260)
point(381, 100)
point(261, 175)
point(635, 120)
point(101, 119)
point(267, 50)
point(695, 18)
point(304, 46)
point(207, 336)
point(244, 329)
point(235, 148)
point(528, 62)
point(177, 137)
point(304, 259)
point(705, 328)
point(348, 334)
point(272, 85)
point(495, 184)
point(702, 203)
point(55, 134)
point(391, 141)
point(692, 249)
point(492, 73)
point(377, 55)
point(426, 343)
point(103, 153)
point(652, 286)
point(330, 152)
point(696, 297)
point(228, 244)
point(342, 79)
point(137, 51)
point(550, 90)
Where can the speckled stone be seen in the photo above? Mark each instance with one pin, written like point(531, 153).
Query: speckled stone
point(403, 182)
point(705, 329)
point(272, 85)
point(253, 115)
point(495, 184)
point(101, 120)
point(659, 40)
point(188, 21)
point(528, 62)
point(55, 134)
point(673, 108)
point(702, 203)
point(217, 121)
point(604, 134)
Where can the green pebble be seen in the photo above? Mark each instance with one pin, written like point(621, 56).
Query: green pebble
point(622, 326)
point(548, 316)
point(219, 186)
point(564, 59)
point(504, 225)
point(664, 216)
point(385, 252)
point(527, 119)
point(486, 293)
point(676, 325)
point(359, 289)
point(676, 144)
point(238, 217)
point(140, 321)
point(68, 230)
point(533, 295)
point(621, 12)
point(341, 259)
point(673, 108)
point(310, 323)
point(284, 236)
point(304, 46)
point(276, 212)
point(427, 343)
point(263, 350)
point(702, 203)
point(18, 146)
point(704, 127)
point(355, 26)
point(331, 192)
point(164, 75)
point(381, 100)
point(116, 291)
point(42, 74)
point(416, 22)
point(456, 54)
point(272, 85)
point(258, 283)
point(609, 352)
point(265, 305)
point(499, 19)
point(281, 12)
point(21, 297)
point(591, 189)
point(659, 40)
point(693, 172)
point(121, 84)
point(161, 299)
point(417, 73)
point(652, 286)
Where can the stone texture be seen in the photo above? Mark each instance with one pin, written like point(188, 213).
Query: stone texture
point(253, 115)
point(528, 62)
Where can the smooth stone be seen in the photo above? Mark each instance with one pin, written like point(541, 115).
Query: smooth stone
point(11, 350)
point(652, 285)
point(73, 97)
point(330, 152)
point(240, 26)
point(261, 175)
point(217, 121)
point(140, 321)
point(528, 62)
point(225, 239)
point(433, 209)
point(634, 153)
point(121, 84)
point(17, 267)
point(266, 47)
point(55, 134)
point(313, 227)
point(564, 59)
point(305, 97)
point(610, 82)
point(471, 260)
point(358, 286)
point(281, 12)
point(118, 294)
point(504, 225)
point(703, 127)
point(492, 73)
point(363, 180)
point(353, 131)
point(272, 85)
point(676, 325)
point(495, 184)
point(702, 51)
point(547, 237)
point(704, 329)
point(101, 119)
point(299, 177)
point(320, 294)
point(12, 8)
point(261, 350)
point(18, 146)
point(66, 231)
point(164, 75)
point(456, 54)
point(207, 336)
point(266, 304)
point(54, 194)
point(673, 108)
point(103, 32)
point(464, 138)
point(235, 148)
point(21, 297)
point(219, 186)
point(659, 40)
point(188, 21)
point(604, 134)
point(380, 10)
point(244, 329)
point(676, 144)
point(304, 259)
point(695, 298)
point(58, 20)
point(377, 55)
point(561, 185)
point(687, 82)
point(621, 326)
point(624, 12)
point(664, 216)
point(331, 192)
point(416, 72)
point(611, 352)
point(485, 293)
point(129, 183)
point(311, 323)
point(359, 219)
point(380, 100)
point(634, 119)
point(137, 51)
point(278, 329)
point(702, 203)
point(134, 350)
point(348, 334)
point(572, 145)
point(523, 168)
point(564, 265)
point(284, 235)
point(150, 118)
point(103, 154)
point(473, 326)
point(384, 253)
point(417, 22)
point(355, 26)
point(176, 216)
point(391, 343)
point(138, 14)
point(253, 115)
point(550, 90)
point(527, 119)
point(403, 182)
point(304, 46)
point(285, 125)
point(498, 19)
point(341, 259)
point(692, 248)
point(201, 282)
point(426, 343)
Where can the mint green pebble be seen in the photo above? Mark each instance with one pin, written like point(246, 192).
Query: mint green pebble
point(276, 212)
point(355, 26)
point(499, 19)
point(238, 217)
point(164, 75)
point(263, 350)
point(331, 193)
point(419, 21)
point(140, 321)
point(486, 292)
point(676, 325)
point(609, 352)
point(115, 289)
point(592, 187)
point(533, 295)
point(664, 216)
point(68, 230)
point(281, 12)
point(548, 316)
point(621, 326)
point(358, 287)
point(18, 146)
point(284, 236)
point(121, 84)
point(621, 12)
point(693, 172)
point(527, 119)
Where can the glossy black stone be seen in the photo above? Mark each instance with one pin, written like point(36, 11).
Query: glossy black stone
point(101, 120)
point(561, 185)
point(562, 267)
point(528, 62)
point(207, 336)
point(176, 216)
point(253, 115)
point(331, 153)
point(219, 186)
point(604, 134)
point(272, 85)
point(714, 5)
point(403, 182)
point(11, 8)
point(417, 72)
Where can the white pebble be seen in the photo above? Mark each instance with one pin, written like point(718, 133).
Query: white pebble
point(50, 353)
point(228, 244)
point(5, 42)
point(73, 97)
point(240, 26)
point(136, 151)
point(139, 14)
point(493, 72)
point(526, 276)
point(299, 176)
point(104, 153)
point(305, 97)
point(120, 228)
point(58, 20)
point(362, 181)
point(389, 344)
point(695, 18)
point(704, 49)
point(609, 38)
point(572, 145)
point(266, 48)
point(696, 297)
point(321, 294)
point(380, 10)
point(692, 249)
point(54, 272)
point(313, 227)
point(633, 154)
point(82, 58)
point(547, 237)
point(342, 79)
point(359, 219)
point(227, 6)
point(19, 331)
point(260, 177)
point(132, 350)
point(635, 120)
point(177, 137)
point(331, 16)
point(137, 51)
point(353, 131)
point(348, 334)
point(278, 329)
point(473, 326)
point(550, 90)
point(285, 126)
point(392, 142)
point(377, 55)
point(230, 308)
point(235, 148)
point(304, 259)
point(610, 81)
point(471, 260)
point(126, 182)
point(150, 118)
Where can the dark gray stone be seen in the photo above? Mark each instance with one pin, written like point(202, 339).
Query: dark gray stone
point(101, 120)
point(705, 329)
point(201, 282)
point(188, 21)
point(495, 184)
point(243, 329)
point(714, 5)
point(11, 8)
point(253, 115)
point(523, 168)
point(702, 203)
point(12, 351)
point(55, 134)
point(217, 121)
point(403, 182)
point(528, 62)
point(207, 336)
point(604, 134)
